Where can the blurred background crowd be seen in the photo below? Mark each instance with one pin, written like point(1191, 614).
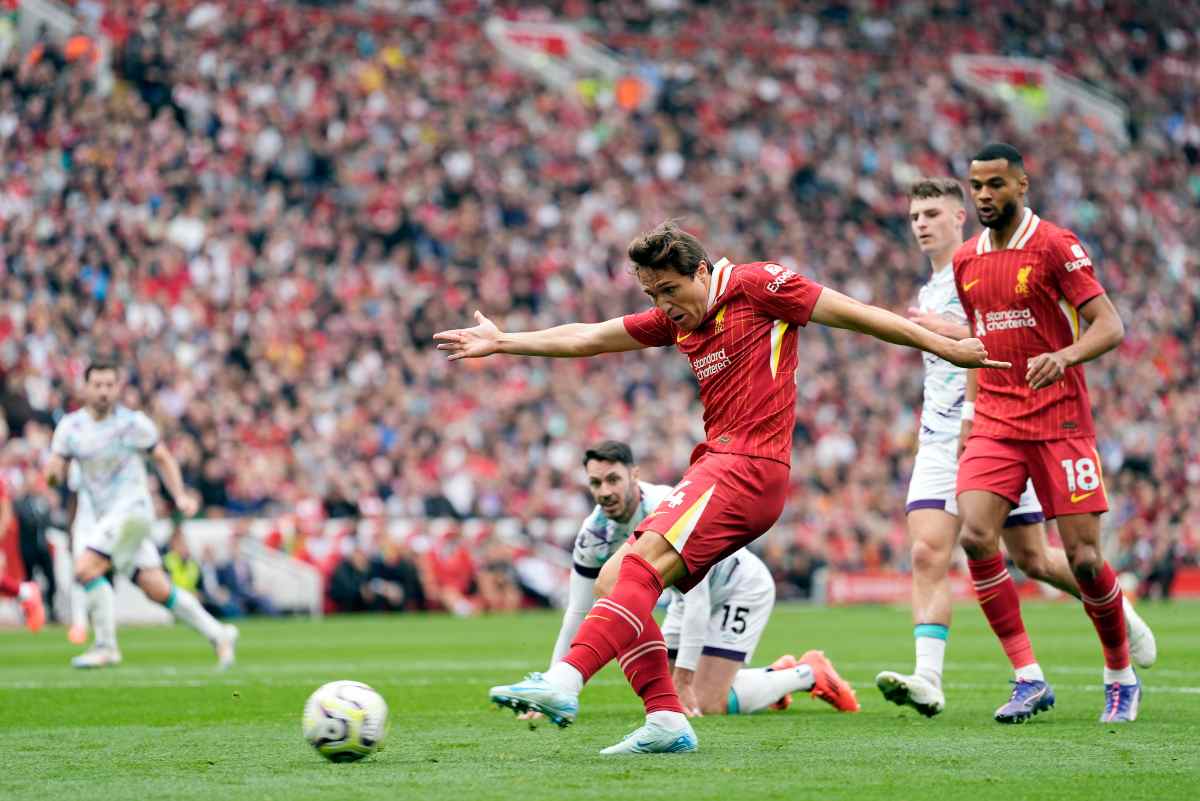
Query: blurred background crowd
point(277, 204)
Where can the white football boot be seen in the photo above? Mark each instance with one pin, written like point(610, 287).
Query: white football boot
point(915, 691)
point(224, 646)
point(97, 657)
point(655, 739)
point(1143, 650)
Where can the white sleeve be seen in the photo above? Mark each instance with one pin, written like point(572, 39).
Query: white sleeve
point(144, 433)
point(697, 609)
point(579, 601)
point(58, 442)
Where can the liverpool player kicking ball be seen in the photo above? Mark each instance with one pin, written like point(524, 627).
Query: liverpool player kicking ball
point(737, 326)
point(936, 215)
point(1024, 285)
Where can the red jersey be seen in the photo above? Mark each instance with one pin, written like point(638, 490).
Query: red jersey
point(743, 353)
point(1023, 300)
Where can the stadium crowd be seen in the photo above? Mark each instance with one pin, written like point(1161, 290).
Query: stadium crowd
point(277, 205)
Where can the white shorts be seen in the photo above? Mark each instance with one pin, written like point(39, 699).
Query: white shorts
point(735, 626)
point(935, 473)
point(122, 536)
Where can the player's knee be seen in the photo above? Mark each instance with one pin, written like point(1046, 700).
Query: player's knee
point(604, 585)
point(977, 540)
point(1086, 560)
point(927, 559)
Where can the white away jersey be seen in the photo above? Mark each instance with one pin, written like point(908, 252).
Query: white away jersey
point(111, 455)
point(599, 537)
point(740, 573)
point(945, 384)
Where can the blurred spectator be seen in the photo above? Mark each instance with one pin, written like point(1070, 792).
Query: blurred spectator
point(451, 574)
point(395, 577)
point(216, 597)
point(236, 578)
point(350, 586)
point(181, 567)
point(499, 588)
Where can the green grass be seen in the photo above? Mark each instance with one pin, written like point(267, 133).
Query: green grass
point(165, 727)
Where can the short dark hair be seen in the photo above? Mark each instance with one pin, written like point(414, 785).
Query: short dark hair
point(97, 365)
point(668, 246)
point(996, 151)
point(925, 188)
point(609, 451)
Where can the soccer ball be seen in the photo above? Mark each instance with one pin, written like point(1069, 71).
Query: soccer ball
point(345, 720)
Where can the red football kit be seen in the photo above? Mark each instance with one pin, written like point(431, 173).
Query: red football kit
point(744, 355)
point(1023, 300)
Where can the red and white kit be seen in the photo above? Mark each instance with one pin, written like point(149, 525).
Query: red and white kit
point(1023, 300)
point(744, 355)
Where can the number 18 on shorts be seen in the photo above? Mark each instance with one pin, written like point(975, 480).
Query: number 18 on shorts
point(1066, 473)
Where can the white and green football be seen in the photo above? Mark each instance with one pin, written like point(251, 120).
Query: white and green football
point(345, 720)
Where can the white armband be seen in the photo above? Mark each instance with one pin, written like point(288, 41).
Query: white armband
point(968, 411)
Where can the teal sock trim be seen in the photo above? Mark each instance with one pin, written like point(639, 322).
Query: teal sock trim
point(98, 581)
point(170, 602)
point(731, 705)
point(935, 631)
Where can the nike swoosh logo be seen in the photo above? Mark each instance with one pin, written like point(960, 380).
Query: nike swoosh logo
point(596, 617)
point(1077, 498)
point(681, 337)
point(967, 286)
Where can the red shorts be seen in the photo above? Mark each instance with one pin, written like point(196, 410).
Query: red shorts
point(724, 502)
point(1066, 473)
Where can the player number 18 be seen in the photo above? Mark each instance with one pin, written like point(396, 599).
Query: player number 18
point(1081, 474)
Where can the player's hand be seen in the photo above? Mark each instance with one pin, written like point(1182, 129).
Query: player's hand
point(1046, 369)
point(938, 324)
point(971, 353)
point(470, 343)
point(964, 434)
point(188, 505)
point(691, 705)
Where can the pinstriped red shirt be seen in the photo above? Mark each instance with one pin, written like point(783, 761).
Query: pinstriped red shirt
point(743, 354)
point(1023, 300)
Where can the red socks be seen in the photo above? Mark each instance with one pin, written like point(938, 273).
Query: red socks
point(9, 586)
point(622, 624)
point(1104, 605)
point(646, 667)
point(997, 596)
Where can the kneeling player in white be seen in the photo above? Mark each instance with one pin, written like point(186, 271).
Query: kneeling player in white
point(112, 529)
point(936, 216)
point(712, 631)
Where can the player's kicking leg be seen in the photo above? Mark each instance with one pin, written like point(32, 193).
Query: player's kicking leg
point(1026, 545)
point(630, 583)
point(933, 532)
point(185, 607)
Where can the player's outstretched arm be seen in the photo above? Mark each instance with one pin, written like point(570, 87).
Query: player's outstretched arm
point(840, 311)
point(572, 339)
point(939, 324)
point(1105, 331)
point(172, 478)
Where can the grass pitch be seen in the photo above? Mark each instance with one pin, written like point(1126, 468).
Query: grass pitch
point(165, 726)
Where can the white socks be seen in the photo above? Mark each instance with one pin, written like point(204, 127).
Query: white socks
point(186, 608)
point(565, 678)
point(1030, 672)
point(99, 600)
point(671, 721)
point(755, 689)
point(931, 657)
point(79, 607)
point(1123, 676)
